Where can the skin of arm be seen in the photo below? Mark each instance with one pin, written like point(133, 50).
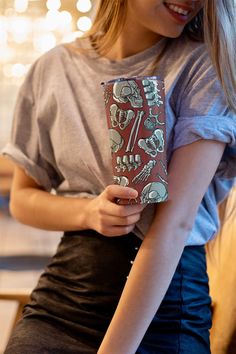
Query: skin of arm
point(191, 170)
point(32, 205)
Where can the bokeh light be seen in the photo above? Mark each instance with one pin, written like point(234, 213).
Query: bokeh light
point(84, 5)
point(21, 5)
point(84, 23)
point(53, 5)
point(28, 29)
point(44, 42)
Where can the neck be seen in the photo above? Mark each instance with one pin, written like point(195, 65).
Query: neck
point(131, 42)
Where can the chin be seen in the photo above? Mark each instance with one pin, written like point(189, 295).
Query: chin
point(173, 34)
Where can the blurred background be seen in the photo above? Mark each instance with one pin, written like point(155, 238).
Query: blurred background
point(28, 28)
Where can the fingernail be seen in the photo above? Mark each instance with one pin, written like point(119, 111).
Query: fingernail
point(133, 194)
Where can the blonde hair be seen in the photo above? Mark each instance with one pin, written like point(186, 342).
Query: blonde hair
point(220, 36)
point(215, 24)
point(108, 24)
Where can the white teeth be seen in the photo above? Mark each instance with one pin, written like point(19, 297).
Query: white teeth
point(177, 9)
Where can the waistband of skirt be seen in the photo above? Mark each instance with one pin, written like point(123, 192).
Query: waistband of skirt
point(88, 232)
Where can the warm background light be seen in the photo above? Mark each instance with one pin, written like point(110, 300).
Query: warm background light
point(84, 23)
point(28, 29)
point(21, 5)
point(53, 5)
point(84, 5)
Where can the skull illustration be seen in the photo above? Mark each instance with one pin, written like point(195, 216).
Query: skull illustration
point(154, 192)
point(120, 117)
point(153, 144)
point(127, 91)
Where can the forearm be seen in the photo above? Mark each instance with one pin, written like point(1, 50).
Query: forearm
point(40, 209)
point(147, 284)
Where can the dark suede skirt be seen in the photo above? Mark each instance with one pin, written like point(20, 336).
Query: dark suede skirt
point(78, 292)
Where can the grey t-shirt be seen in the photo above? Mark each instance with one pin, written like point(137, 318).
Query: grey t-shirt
point(60, 135)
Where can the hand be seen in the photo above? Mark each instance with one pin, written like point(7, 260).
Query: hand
point(107, 217)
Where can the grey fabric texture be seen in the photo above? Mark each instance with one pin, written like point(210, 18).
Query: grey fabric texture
point(60, 134)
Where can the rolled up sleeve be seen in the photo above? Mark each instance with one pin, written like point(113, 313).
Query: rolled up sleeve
point(204, 114)
point(30, 147)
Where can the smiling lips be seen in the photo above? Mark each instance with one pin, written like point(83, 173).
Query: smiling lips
point(179, 11)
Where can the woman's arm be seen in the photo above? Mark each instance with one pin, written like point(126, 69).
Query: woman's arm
point(190, 172)
point(32, 205)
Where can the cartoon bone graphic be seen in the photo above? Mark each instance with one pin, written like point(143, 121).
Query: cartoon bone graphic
point(128, 162)
point(153, 144)
point(145, 172)
point(116, 140)
point(121, 180)
point(127, 91)
point(154, 192)
point(120, 117)
point(152, 92)
point(134, 132)
point(152, 120)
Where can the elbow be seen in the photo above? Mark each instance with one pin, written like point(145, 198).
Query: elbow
point(13, 209)
point(17, 210)
point(185, 226)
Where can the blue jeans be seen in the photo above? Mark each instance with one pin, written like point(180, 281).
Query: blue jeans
point(77, 295)
point(183, 320)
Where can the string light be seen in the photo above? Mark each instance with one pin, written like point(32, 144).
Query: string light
point(18, 70)
point(20, 28)
point(44, 42)
point(21, 5)
point(52, 20)
point(53, 5)
point(84, 23)
point(65, 22)
point(84, 5)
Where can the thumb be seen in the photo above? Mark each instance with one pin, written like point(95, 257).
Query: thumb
point(114, 192)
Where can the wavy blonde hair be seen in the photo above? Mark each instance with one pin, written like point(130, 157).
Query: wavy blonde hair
point(215, 24)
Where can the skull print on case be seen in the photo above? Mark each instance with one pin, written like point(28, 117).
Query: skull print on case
point(136, 124)
point(127, 91)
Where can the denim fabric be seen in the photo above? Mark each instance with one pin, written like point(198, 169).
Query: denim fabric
point(182, 322)
point(76, 297)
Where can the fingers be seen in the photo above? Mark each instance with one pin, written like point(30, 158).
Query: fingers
point(109, 218)
point(113, 225)
point(114, 192)
point(117, 230)
point(121, 221)
point(119, 210)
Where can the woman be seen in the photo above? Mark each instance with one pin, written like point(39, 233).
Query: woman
point(83, 303)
